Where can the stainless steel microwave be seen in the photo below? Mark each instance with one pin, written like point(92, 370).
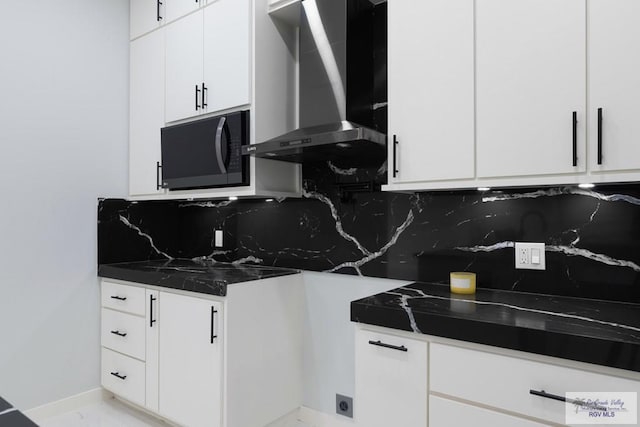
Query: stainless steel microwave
point(206, 153)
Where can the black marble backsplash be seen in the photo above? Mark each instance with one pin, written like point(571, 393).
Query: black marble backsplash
point(344, 224)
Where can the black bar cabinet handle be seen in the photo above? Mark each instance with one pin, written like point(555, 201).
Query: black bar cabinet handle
point(599, 136)
point(204, 95)
point(117, 374)
point(197, 93)
point(546, 395)
point(213, 312)
point(158, 4)
point(385, 345)
point(118, 333)
point(158, 169)
point(395, 154)
point(151, 319)
point(118, 298)
point(575, 138)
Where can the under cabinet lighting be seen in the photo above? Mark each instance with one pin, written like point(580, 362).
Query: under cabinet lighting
point(269, 200)
point(484, 188)
point(233, 198)
point(586, 185)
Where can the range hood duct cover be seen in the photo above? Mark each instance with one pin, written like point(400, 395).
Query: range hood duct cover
point(343, 93)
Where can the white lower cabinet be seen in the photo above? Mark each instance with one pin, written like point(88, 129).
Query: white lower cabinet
point(190, 354)
point(205, 360)
point(391, 381)
point(423, 382)
point(449, 413)
point(123, 375)
point(473, 375)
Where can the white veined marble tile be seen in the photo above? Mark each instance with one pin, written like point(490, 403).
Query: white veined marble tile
point(109, 413)
point(112, 413)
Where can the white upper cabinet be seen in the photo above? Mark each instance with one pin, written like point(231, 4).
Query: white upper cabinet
point(430, 90)
point(146, 112)
point(530, 79)
point(227, 54)
point(145, 16)
point(208, 57)
point(184, 68)
point(178, 8)
point(614, 84)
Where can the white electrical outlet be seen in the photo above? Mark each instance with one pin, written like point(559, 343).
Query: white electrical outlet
point(218, 238)
point(530, 256)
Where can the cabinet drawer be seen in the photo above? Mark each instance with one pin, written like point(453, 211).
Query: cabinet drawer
point(123, 297)
point(124, 333)
point(472, 375)
point(391, 381)
point(447, 413)
point(123, 376)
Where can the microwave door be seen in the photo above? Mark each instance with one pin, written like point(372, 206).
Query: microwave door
point(193, 155)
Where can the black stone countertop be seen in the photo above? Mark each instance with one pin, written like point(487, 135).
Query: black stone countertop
point(593, 331)
point(11, 417)
point(203, 276)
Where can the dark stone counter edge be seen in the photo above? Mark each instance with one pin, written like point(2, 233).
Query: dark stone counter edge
point(143, 278)
point(217, 288)
point(596, 351)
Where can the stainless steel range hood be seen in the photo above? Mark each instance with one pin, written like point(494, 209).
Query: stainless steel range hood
point(342, 111)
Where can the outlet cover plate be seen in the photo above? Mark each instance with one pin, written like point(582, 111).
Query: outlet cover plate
point(525, 256)
point(218, 238)
point(344, 405)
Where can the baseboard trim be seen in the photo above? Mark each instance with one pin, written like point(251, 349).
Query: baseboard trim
point(41, 413)
point(320, 419)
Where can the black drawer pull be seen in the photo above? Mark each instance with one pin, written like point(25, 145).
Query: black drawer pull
point(213, 312)
point(204, 95)
point(197, 96)
point(395, 154)
point(575, 138)
point(599, 136)
point(118, 333)
point(117, 374)
point(158, 4)
point(118, 298)
point(385, 345)
point(546, 395)
point(151, 319)
point(158, 169)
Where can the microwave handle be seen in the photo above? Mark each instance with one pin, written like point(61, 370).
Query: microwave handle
point(218, 143)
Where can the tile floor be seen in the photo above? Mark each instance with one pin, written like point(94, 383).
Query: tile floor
point(112, 413)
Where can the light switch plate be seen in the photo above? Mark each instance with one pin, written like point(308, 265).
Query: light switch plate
point(530, 256)
point(218, 238)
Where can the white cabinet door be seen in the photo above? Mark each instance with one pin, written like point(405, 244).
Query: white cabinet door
point(146, 110)
point(184, 68)
point(152, 338)
point(391, 381)
point(190, 359)
point(178, 8)
point(431, 104)
point(614, 84)
point(447, 413)
point(530, 78)
point(145, 16)
point(227, 54)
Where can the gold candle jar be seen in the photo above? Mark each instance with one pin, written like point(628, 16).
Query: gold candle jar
point(463, 282)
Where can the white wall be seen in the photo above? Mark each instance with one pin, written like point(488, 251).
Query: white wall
point(63, 143)
point(329, 347)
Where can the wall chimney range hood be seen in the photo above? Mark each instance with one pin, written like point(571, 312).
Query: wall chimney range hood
point(343, 86)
